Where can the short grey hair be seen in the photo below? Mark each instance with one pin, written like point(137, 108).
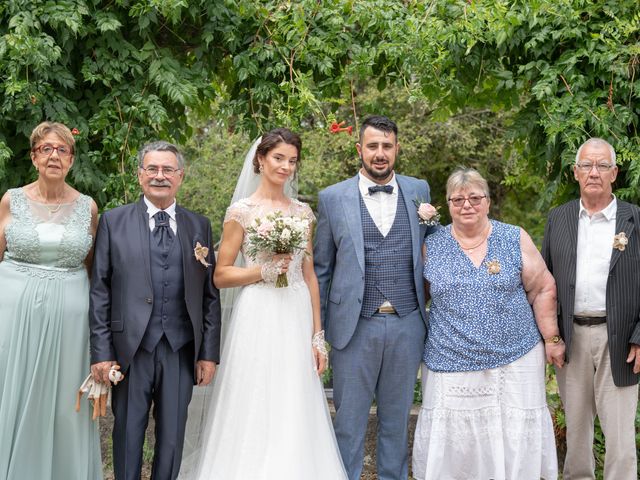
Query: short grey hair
point(465, 177)
point(160, 146)
point(595, 141)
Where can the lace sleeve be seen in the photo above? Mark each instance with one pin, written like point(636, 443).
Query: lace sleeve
point(238, 212)
point(306, 212)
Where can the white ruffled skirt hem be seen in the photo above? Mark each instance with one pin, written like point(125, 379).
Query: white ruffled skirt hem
point(489, 424)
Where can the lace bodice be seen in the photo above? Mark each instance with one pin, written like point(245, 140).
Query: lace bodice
point(55, 239)
point(245, 211)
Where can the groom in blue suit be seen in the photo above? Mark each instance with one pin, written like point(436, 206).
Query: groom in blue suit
point(368, 259)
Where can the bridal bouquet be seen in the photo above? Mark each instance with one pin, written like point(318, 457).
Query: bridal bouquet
point(276, 234)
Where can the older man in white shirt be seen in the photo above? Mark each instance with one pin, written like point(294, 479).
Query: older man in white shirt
point(592, 248)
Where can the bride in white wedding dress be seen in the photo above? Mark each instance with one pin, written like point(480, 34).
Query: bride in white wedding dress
point(268, 417)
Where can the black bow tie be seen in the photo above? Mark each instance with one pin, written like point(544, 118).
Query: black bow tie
point(381, 188)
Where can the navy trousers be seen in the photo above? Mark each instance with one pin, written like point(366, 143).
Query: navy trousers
point(165, 378)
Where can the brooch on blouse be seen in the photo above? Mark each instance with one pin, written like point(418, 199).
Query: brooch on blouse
point(620, 241)
point(493, 267)
point(201, 253)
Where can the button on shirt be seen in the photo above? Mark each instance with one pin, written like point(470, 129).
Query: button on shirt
point(170, 210)
point(381, 206)
point(593, 256)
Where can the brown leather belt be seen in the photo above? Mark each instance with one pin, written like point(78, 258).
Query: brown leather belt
point(589, 321)
point(386, 309)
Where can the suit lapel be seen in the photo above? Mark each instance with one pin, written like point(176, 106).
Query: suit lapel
point(143, 231)
point(185, 234)
point(407, 194)
point(623, 215)
point(353, 217)
point(571, 221)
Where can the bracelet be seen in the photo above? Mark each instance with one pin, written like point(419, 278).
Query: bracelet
point(317, 341)
point(270, 271)
point(553, 340)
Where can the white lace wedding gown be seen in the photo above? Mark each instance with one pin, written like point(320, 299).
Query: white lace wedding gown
point(268, 418)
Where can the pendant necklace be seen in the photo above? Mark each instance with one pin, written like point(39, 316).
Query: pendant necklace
point(52, 210)
point(472, 248)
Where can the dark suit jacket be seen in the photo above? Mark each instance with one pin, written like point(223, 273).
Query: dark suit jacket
point(623, 285)
point(121, 297)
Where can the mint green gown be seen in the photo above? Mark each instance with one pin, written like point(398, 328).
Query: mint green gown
point(44, 344)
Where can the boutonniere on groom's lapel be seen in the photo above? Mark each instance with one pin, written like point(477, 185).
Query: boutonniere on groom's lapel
point(620, 241)
point(201, 253)
point(427, 214)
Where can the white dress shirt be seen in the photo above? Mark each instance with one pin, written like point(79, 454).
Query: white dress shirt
point(381, 206)
point(170, 210)
point(593, 256)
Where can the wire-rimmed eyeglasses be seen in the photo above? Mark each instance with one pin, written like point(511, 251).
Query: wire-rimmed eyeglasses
point(153, 171)
point(587, 166)
point(474, 200)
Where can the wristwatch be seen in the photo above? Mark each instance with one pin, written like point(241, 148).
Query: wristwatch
point(553, 339)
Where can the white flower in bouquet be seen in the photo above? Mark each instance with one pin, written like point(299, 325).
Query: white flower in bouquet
point(277, 234)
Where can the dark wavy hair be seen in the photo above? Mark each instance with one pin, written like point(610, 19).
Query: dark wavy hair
point(272, 139)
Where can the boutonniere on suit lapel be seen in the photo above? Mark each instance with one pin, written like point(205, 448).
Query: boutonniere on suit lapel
point(620, 241)
point(427, 214)
point(201, 253)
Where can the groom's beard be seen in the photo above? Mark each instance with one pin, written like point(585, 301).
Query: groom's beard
point(378, 175)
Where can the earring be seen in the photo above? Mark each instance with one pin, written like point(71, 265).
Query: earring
point(261, 168)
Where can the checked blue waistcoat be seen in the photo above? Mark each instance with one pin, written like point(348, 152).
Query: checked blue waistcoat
point(389, 273)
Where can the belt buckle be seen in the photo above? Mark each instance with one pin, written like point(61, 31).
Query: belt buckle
point(386, 309)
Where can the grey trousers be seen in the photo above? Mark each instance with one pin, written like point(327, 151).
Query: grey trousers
point(380, 361)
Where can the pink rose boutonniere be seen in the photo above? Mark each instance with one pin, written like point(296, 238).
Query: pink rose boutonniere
point(427, 214)
point(201, 253)
point(620, 241)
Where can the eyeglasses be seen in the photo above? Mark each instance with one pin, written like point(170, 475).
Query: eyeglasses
point(168, 172)
point(47, 150)
point(587, 166)
point(474, 200)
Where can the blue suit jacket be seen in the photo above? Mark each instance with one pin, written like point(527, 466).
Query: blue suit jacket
point(339, 254)
point(121, 296)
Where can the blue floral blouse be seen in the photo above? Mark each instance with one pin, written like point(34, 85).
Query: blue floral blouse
point(480, 317)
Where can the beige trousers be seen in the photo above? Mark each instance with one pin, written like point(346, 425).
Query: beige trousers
point(586, 389)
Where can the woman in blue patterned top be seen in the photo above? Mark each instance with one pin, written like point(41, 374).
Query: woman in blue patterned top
point(492, 324)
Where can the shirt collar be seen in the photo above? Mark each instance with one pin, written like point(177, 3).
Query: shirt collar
point(364, 183)
point(152, 209)
point(609, 212)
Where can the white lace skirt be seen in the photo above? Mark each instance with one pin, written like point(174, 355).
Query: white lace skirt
point(489, 424)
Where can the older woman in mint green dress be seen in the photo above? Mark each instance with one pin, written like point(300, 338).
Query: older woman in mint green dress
point(46, 236)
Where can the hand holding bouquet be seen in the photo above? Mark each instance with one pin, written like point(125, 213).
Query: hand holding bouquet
point(277, 234)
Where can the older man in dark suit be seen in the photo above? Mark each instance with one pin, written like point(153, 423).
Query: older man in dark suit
point(592, 248)
point(155, 311)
